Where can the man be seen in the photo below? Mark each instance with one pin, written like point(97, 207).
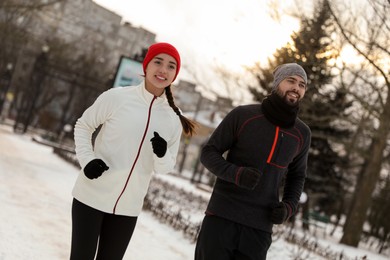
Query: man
point(265, 144)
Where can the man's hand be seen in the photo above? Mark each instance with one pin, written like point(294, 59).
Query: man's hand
point(279, 213)
point(248, 177)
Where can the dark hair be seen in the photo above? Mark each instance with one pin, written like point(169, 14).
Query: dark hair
point(187, 124)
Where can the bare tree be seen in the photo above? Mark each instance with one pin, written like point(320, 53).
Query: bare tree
point(15, 19)
point(368, 34)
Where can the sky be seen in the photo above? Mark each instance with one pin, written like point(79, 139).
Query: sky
point(35, 215)
point(223, 33)
point(227, 31)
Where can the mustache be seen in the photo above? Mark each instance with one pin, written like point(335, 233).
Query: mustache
point(299, 96)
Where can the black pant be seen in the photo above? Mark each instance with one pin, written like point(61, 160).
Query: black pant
point(222, 239)
point(91, 227)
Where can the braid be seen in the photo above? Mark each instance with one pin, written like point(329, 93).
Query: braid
point(187, 124)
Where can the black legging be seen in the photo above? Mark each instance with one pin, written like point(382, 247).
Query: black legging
point(222, 239)
point(91, 227)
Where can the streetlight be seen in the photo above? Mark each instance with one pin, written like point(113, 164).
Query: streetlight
point(45, 48)
point(65, 130)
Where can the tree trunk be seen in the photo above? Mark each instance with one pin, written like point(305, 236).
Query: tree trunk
point(362, 198)
point(305, 213)
point(66, 108)
point(340, 212)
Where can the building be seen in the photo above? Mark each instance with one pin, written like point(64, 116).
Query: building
point(75, 30)
point(87, 25)
point(207, 114)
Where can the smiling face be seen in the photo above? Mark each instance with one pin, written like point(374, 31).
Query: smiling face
point(292, 89)
point(159, 73)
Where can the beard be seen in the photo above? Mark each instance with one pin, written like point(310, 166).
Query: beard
point(287, 99)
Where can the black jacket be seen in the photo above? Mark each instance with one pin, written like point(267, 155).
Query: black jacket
point(252, 141)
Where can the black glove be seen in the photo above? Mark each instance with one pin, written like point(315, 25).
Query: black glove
point(279, 213)
point(95, 168)
point(159, 145)
point(248, 178)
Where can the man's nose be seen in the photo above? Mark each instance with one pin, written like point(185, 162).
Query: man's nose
point(295, 87)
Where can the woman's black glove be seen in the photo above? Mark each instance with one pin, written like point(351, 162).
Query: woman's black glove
point(159, 145)
point(95, 168)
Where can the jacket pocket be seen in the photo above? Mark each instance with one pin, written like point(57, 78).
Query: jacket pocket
point(287, 146)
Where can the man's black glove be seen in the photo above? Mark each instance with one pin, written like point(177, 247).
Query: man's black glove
point(248, 177)
point(159, 145)
point(95, 168)
point(279, 213)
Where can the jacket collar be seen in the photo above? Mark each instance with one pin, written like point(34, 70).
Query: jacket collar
point(148, 97)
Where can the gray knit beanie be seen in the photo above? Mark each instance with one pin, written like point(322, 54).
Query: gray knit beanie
point(286, 70)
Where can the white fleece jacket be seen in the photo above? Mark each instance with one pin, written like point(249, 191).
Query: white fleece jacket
point(129, 116)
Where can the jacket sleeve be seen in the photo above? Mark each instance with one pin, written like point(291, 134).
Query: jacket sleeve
point(86, 125)
point(167, 163)
point(221, 141)
point(295, 178)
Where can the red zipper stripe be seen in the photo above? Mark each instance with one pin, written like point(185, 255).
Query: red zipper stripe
point(273, 145)
point(138, 153)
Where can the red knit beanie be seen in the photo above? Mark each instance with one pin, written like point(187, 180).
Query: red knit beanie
point(161, 47)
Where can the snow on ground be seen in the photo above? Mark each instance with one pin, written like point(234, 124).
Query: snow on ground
point(35, 218)
point(35, 201)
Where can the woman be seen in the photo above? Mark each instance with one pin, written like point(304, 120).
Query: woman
point(109, 194)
